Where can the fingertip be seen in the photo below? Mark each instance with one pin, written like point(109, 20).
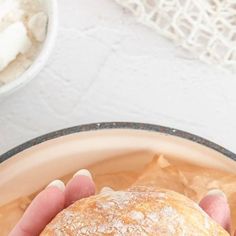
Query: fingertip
point(80, 186)
point(57, 184)
point(55, 196)
point(83, 172)
point(216, 206)
point(216, 192)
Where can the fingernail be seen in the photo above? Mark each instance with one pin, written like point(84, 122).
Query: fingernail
point(106, 189)
point(216, 192)
point(58, 184)
point(83, 172)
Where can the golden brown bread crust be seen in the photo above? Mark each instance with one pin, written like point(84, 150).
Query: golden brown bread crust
point(138, 211)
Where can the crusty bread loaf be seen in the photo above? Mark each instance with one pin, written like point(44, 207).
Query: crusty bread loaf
point(138, 211)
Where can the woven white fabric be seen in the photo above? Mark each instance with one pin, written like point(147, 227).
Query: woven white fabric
point(207, 28)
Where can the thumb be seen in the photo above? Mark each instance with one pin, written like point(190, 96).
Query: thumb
point(216, 206)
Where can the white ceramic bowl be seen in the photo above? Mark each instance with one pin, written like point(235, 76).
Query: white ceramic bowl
point(60, 153)
point(28, 168)
point(50, 7)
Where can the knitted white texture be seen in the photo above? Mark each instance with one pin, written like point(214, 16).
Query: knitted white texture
point(207, 28)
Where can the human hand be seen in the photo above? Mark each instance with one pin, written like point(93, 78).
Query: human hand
point(53, 199)
point(56, 197)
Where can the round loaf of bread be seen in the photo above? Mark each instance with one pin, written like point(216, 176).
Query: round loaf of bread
point(139, 211)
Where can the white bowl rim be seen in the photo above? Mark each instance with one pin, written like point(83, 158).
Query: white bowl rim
point(42, 57)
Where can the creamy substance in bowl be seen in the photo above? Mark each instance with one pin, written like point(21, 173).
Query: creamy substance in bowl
point(23, 26)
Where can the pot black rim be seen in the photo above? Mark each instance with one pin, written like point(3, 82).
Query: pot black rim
point(117, 125)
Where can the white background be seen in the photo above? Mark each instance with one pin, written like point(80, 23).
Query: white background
point(107, 67)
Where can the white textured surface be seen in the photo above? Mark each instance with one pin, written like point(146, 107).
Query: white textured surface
point(106, 67)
